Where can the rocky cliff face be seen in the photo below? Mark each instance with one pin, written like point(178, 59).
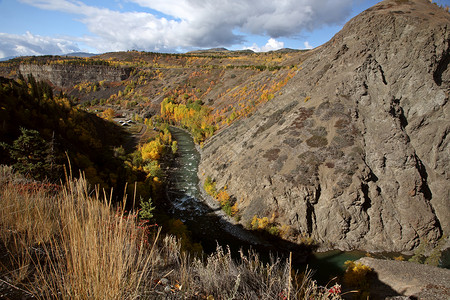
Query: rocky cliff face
point(355, 151)
point(70, 75)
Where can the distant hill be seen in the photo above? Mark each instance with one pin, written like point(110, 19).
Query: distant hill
point(74, 54)
point(287, 50)
point(7, 58)
point(80, 54)
point(209, 50)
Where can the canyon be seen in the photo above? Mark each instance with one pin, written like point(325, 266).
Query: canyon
point(346, 144)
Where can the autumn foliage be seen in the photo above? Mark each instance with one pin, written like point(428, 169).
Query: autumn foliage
point(228, 204)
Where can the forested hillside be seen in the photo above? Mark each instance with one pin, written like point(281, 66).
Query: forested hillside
point(202, 91)
point(42, 131)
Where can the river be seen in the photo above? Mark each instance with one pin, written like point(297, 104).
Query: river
point(207, 224)
point(211, 227)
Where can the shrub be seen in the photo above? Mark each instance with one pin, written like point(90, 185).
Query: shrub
point(210, 187)
point(259, 223)
point(356, 277)
point(229, 206)
point(273, 230)
point(146, 212)
point(228, 209)
point(223, 197)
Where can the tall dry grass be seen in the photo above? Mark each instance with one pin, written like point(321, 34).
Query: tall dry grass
point(27, 219)
point(96, 254)
point(71, 244)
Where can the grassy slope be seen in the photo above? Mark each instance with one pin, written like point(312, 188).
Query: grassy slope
point(61, 241)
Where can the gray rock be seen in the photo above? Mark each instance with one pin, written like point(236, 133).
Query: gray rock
point(364, 162)
point(70, 75)
point(411, 280)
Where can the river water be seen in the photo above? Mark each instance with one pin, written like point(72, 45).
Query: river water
point(211, 228)
point(207, 224)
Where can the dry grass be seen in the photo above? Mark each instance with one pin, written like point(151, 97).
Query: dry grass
point(70, 244)
point(96, 254)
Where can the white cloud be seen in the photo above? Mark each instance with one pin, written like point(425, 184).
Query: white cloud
point(198, 23)
point(29, 44)
point(307, 45)
point(271, 45)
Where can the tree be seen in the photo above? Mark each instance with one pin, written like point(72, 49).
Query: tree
point(152, 150)
point(153, 169)
point(146, 212)
point(33, 156)
point(109, 114)
point(174, 147)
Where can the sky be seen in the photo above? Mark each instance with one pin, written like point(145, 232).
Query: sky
point(41, 27)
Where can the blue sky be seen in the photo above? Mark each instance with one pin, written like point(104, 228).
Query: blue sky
point(35, 27)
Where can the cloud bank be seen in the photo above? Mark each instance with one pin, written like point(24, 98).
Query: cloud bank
point(29, 44)
point(187, 24)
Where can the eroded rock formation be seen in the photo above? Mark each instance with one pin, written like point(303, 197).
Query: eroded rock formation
point(355, 151)
point(70, 75)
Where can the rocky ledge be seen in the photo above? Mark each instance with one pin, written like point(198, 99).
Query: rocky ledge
point(415, 281)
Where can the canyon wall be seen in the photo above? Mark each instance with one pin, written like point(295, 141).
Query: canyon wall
point(70, 75)
point(354, 151)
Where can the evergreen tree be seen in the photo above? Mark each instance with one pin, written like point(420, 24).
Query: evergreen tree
point(33, 156)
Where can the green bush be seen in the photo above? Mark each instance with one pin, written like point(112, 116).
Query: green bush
point(147, 208)
point(210, 187)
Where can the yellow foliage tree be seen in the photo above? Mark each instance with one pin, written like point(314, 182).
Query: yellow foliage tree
point(234, 209)
point(259, 223)
point(356, 277)
point(223, 197)
point(108, 114)
point(152, 150)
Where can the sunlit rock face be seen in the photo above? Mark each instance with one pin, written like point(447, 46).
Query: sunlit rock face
point(354, 150)
point(70, 75)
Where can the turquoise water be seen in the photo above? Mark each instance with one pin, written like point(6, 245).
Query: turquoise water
point(444, 262)
point(331, 263)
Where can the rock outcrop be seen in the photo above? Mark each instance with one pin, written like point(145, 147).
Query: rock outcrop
point(355, 150)
point(70, 75)
point(415, 281)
